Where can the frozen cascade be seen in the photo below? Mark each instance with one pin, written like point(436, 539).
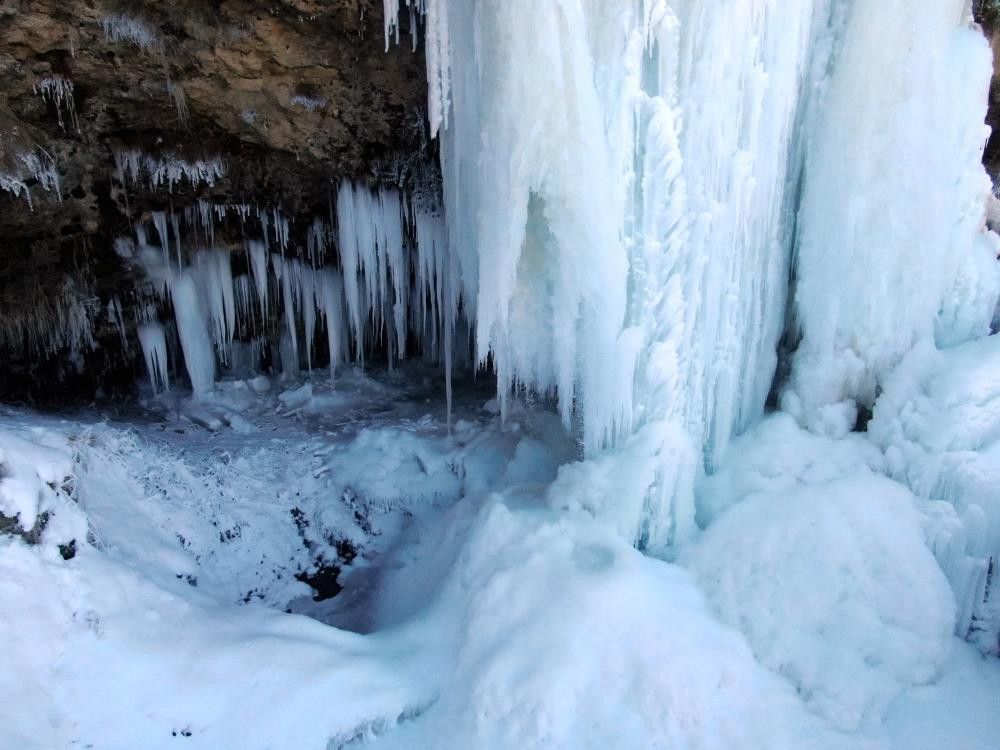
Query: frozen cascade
point(625, 241)
point(892, 248)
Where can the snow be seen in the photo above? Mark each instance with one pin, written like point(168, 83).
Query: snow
point(480, 609)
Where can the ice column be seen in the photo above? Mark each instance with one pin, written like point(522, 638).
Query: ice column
point(891, 246)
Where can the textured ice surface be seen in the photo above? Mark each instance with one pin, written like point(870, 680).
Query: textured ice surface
point(823, 564)
point(938, 421)
point(891, 245)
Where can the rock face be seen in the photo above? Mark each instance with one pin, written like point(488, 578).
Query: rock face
point(274, 102)
point(987, 13)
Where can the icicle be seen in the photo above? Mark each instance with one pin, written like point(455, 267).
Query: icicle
point(175, 223)
point(331, 296)
point(176, 93)
point(348, 244)
point(167, 170)
point(154, 351)
point(281, 230)
point(58, 90)
point(192, 328)
point(115, 316)
point(283, 271)
point(258, 264)
point(213, 271)
point(207, 218)
point(264, 227)
point(316, 241)
point(160, 222)
point(119, 27)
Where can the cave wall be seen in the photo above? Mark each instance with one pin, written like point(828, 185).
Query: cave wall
point(291, 97)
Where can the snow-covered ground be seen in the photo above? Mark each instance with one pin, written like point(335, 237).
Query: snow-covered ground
point(482, 605)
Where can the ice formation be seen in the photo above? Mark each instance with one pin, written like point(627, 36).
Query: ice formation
point(58, 90)
point(382, 277)
point(121, 28)
point(29, 165)
point(890, 244)
point(688, 184)
point(47, 323)
point(168, 170)
point(938, 421)
point(154, 350)
point(625, 241)
point(309, 103)
point(640, 198)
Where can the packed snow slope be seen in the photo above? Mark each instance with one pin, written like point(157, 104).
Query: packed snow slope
point(478, 610)
point(658, 216)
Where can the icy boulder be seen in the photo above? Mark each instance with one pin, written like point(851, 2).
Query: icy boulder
point(35, 466)
point(830, 579)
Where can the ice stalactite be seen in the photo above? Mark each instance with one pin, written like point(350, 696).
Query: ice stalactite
point(120, 28)
point(58, 90)
point(30, 166)
point(154, 350)
point(384, 282)
point(168, 170)
point(199, 359)
point(44, 322)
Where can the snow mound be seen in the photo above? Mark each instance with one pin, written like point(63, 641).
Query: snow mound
point(34, 467)
point(565, 637)
point(826, 570)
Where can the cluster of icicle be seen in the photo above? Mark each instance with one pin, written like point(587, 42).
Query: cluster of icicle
point(378, 276)
point(58, 89)
point(42, 323)
point(31, 166)
point(643, 196)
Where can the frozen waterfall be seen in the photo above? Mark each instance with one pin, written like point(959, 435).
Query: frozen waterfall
point(642, 196)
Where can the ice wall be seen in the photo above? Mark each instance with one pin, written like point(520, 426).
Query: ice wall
point(895, 269)
point(891, 247)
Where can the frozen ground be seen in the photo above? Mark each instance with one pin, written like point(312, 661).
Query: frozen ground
point(482, 606)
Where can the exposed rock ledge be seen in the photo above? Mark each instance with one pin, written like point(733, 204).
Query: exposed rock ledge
point(289, 96)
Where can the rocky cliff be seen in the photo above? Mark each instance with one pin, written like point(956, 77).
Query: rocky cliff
point(114, 113)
